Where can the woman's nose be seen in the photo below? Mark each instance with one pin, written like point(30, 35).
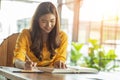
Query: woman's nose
point(49, 24)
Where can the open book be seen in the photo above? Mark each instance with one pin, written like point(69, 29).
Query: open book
point(69, 70)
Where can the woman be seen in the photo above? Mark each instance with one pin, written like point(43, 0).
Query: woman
point(43, 43)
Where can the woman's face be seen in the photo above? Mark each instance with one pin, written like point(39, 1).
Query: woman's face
point(47, 22)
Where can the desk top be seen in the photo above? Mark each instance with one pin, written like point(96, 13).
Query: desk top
point(7, 72)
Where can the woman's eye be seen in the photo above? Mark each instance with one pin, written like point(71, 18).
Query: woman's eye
point(52, 21)
point(43, 21)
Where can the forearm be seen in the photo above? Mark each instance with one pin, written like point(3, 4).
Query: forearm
point(19, 64)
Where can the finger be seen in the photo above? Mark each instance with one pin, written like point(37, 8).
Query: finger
point(34, 64)
point(60, 65)
point(29, 62)
point(63, 65)
point(56, 66)
point(28, 65)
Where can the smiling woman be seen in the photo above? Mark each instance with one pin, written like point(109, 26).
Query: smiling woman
point(44, 42)
point(47, 22)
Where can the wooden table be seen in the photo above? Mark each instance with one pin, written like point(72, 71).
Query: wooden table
point(7, 72)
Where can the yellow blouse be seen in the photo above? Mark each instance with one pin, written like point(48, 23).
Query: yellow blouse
point(23, 46)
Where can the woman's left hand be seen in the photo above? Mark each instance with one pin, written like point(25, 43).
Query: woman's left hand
point(60, 64)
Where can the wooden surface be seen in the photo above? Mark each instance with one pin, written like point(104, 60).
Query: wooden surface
point(7, 72)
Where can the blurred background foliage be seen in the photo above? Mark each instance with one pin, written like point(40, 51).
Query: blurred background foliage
point(97, 57)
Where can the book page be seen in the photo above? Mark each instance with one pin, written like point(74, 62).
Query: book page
point(68, 70)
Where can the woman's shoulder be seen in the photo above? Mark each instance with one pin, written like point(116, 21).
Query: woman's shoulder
point(25, 32)
point(63, 34)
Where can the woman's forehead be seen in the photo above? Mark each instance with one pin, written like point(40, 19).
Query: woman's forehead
point(48, 16)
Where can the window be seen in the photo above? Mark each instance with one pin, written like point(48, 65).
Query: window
point(100, 19)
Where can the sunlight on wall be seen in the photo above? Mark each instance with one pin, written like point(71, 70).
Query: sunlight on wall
point(96, 9)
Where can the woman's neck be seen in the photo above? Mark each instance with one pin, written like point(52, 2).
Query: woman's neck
point(45, 37)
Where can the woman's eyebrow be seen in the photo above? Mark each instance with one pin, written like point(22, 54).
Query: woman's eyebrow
point(46, 19)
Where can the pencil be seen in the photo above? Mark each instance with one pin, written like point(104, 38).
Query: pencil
point(27, 56)
point(29, 60)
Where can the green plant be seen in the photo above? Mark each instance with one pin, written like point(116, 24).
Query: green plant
point(75, 52)
point(98, 58)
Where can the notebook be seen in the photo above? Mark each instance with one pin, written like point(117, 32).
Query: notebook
point(27, 71)
point(69, 70)
point(17, 70)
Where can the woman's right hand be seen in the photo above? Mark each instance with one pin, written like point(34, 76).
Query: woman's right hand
point(29, 65)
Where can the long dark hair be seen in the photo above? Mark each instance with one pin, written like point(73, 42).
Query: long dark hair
point(53, 41)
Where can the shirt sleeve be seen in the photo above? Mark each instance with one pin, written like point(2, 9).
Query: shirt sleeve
point(20, 47)
point(62, 50)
